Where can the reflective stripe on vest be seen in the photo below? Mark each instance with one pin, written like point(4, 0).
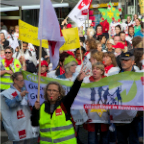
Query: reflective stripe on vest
point(5, 79)
point(57, 140)
point(55, 129)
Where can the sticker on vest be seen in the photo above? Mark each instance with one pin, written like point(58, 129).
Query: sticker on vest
point(22, 134)
point(17, 65)
point(20, 114)
point(58, 112)
point(14, 94)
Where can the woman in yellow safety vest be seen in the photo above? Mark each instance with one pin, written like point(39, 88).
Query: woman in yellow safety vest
point(53, 116)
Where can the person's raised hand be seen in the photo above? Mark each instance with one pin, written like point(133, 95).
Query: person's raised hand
point(9, 72)
point(37, 104)
point(83, 73)
point(23, 93)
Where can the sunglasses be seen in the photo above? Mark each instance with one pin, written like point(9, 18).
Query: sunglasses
point(7, 52)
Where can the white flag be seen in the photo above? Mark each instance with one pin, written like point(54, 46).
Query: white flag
point(80, 11)
point(49, 29)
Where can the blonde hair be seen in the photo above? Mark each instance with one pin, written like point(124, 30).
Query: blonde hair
point(91, 32)
point(98, 65)
point(60, 89)
point(98, 55)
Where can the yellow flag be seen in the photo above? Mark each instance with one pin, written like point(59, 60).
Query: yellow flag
point(29, 34)
point(71, 37)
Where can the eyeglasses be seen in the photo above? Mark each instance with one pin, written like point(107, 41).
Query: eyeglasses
point(108, 43)
point(54, 91)
point(7, 52)
point(74, 65)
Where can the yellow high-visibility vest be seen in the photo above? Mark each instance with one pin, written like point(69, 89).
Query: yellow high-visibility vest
point(55, 129)
point(5, 80)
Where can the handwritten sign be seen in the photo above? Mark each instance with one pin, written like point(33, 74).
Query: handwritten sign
point(29, 33)
point(71, 37)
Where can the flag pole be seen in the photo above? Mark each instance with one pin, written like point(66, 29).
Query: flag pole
point(39, 70)
point(81, 57)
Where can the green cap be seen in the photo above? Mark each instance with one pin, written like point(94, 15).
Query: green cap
point(69, 59)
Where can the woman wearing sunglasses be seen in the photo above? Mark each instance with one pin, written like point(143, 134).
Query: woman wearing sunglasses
point(8, 66)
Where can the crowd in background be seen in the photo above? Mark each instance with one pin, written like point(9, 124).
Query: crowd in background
point(105, 50)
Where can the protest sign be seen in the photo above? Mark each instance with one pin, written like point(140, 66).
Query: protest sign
point(71, 37)
point(29, 34)
point(123, 92)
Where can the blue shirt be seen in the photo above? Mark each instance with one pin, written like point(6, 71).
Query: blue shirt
point(139, 33)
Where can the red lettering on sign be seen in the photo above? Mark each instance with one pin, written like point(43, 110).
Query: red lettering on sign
point(58, 112)
point(22, 134)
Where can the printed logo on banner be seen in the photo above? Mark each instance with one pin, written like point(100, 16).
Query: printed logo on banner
point(142, 80)
point(20, 114)
point(22, 134)
point(14, 94)
point(58, 112)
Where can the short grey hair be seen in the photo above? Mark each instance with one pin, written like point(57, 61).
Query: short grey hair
point(67, 66)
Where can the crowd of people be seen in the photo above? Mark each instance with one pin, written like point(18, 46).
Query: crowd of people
point(106, 50)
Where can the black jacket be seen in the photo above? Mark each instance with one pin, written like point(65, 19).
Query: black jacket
point(66, 100)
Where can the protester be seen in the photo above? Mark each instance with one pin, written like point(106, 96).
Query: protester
point(119, 48)
point(60, 70)
point(97, 75)
point(90, 33)
point(127, 133)
point(3, 40)
point(2, 53)
point(123, 40)
point(109, 45)
point(99, 46)
point(90, 44)
point(137, 26)
point(98, 31)
point(129, 22)
point(2, 26)
point(70, 65)
point(112, 28)
point(136, 41)
point(105, 28)
point(28, 55)
point(96, 56)
point(13, 41)
point(140, 32)
point(139, 56)
point(130, 35)
point(16, 112)
point(117, 39)
point(79, 55)
point(56, 109)
point(44, 68)
point(117, 29)
point(110, 64)
point(16, 34)
point(8, 66)
point(102, 40)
